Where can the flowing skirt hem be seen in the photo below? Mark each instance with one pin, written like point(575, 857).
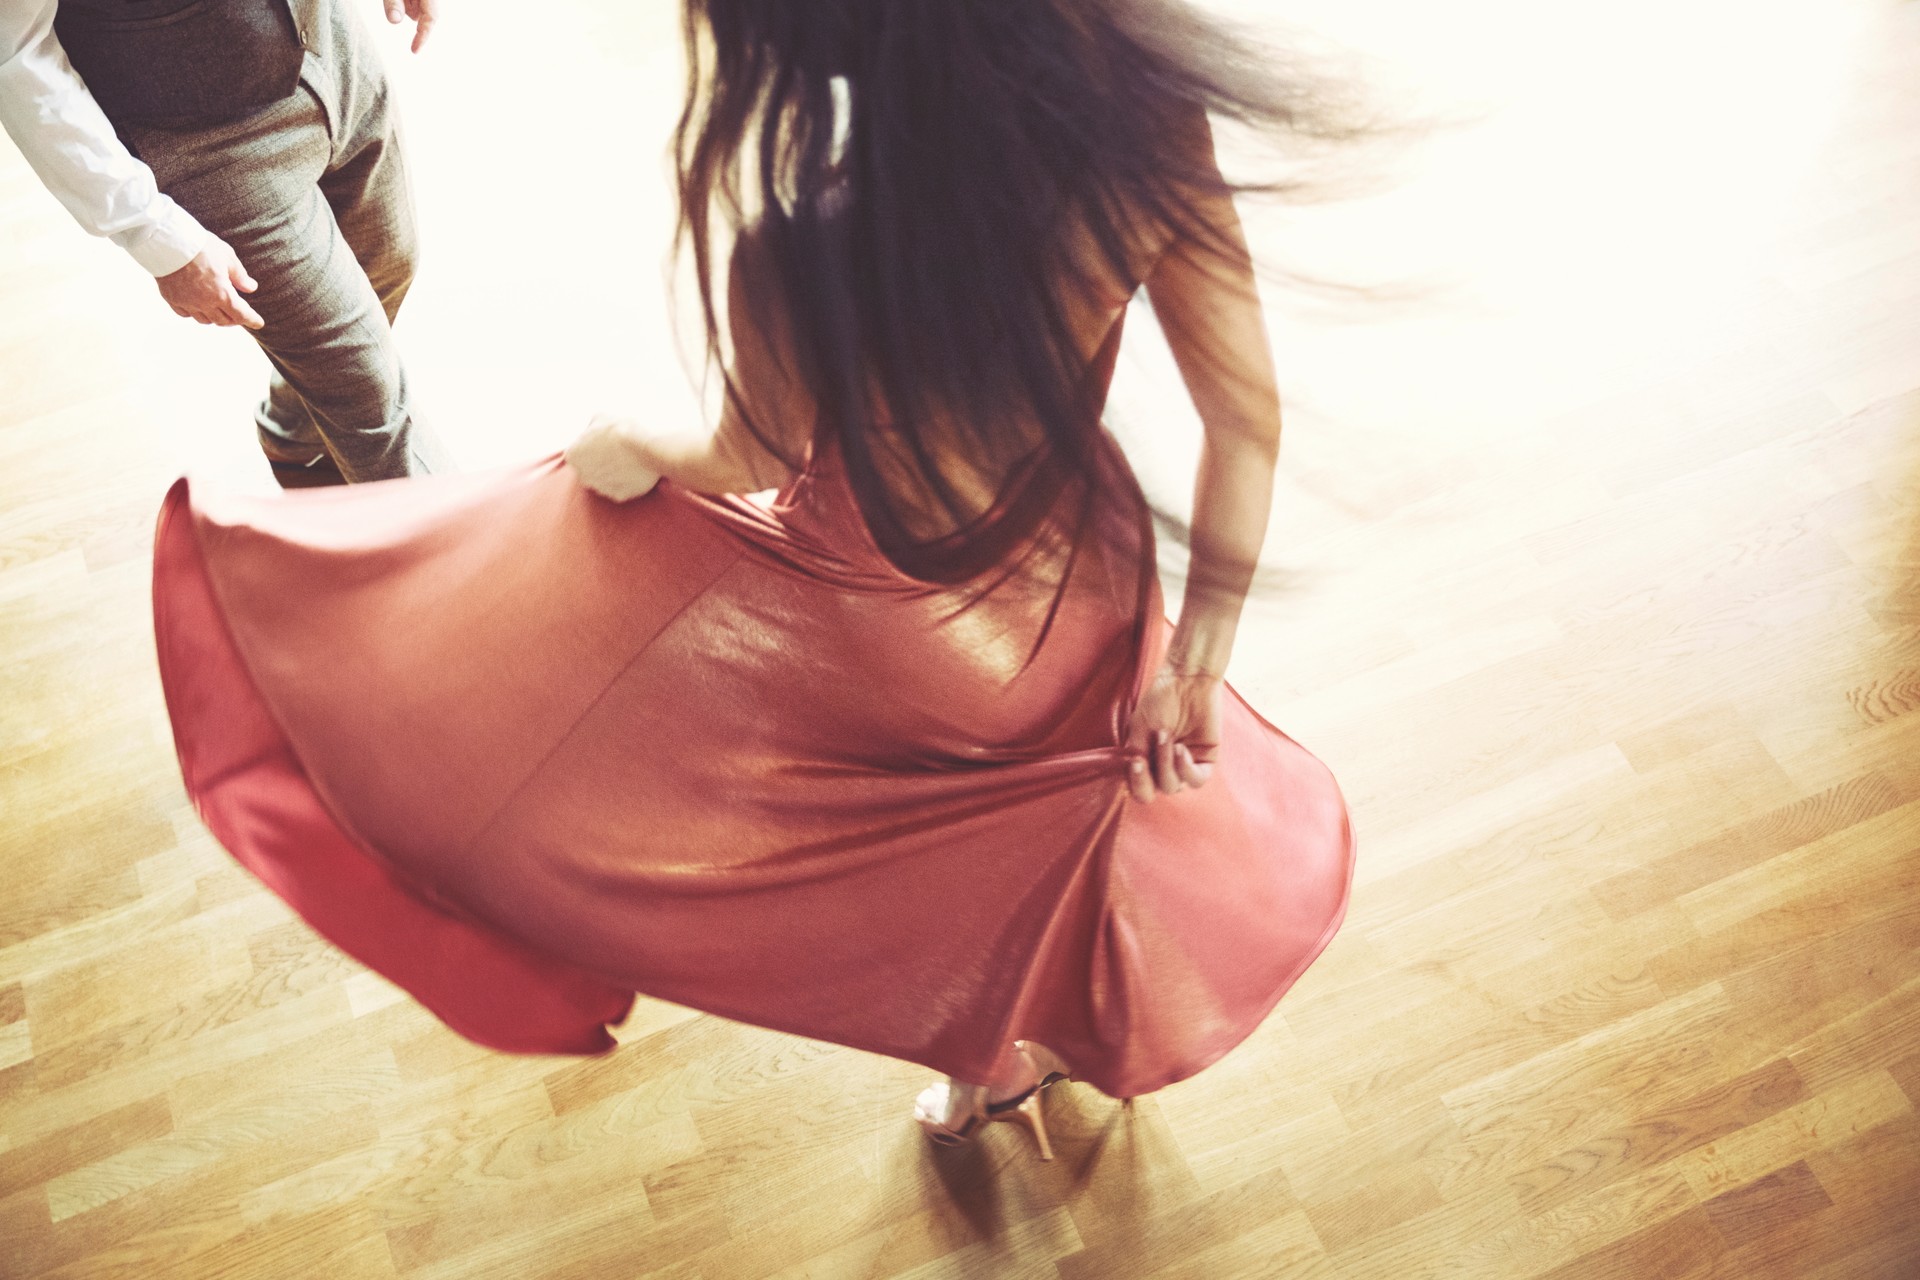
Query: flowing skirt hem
point(249, 786)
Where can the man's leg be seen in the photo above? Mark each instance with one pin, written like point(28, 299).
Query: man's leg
point(329, 341)
point(366, 184)
point(255, 184)
point(372, 203)
point(290, 439)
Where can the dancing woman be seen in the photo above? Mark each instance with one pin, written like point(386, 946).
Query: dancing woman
point(855, 717)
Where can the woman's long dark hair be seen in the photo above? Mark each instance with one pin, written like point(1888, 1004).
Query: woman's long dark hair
point(933, 186)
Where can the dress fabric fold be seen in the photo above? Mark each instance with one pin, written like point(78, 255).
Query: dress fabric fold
point(526, 752)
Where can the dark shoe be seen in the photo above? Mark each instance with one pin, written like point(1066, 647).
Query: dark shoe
point(319, 473)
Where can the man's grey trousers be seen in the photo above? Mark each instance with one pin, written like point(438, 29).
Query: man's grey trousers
point(311, 192)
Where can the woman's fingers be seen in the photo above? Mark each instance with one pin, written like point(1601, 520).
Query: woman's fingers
point(1191, 771)
point(1166, 767)
point(608, 462)
point(1138, 783)
point(1164, 775)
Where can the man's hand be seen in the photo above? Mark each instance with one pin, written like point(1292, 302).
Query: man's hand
point(423, 12)
point(208, 289)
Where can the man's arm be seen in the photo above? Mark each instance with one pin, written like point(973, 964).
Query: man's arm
point(53, 119)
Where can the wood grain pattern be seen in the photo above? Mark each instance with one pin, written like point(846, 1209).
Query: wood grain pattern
point(1600, 571)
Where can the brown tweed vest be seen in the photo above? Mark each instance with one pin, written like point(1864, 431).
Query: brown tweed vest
point(181, 63)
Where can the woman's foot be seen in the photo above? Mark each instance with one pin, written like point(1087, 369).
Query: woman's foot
point(954, 1111)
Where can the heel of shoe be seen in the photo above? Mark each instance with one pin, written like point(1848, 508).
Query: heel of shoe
point(1051, 1070)
point(1033, 1117)
point(1030, 1114)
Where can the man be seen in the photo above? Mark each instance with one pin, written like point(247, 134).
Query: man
point(245, 153)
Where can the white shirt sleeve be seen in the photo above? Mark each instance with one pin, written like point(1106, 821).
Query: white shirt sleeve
point(57, 125)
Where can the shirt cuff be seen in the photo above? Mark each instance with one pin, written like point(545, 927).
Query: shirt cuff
point(167, 242)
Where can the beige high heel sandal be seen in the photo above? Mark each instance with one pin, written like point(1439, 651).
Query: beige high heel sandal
point(934, 1109)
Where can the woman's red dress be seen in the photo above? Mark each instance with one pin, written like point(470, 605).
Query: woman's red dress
point(526, 752)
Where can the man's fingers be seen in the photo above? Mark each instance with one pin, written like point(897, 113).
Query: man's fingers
point(237, 275)
point(423, 15)
point(396, 11)
point(232, 309)
point(243, 313)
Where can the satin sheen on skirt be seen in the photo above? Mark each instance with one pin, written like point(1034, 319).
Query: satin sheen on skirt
point(526, 751)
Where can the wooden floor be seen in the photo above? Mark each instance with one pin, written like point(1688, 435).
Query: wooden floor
point(1600, 590)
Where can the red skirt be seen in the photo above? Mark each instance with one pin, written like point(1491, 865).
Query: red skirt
point(526, 752)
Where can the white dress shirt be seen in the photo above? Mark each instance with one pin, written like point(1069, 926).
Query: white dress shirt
point(64, 135)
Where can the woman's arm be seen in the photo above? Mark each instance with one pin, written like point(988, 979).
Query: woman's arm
point(1206, 301)
point(621, 456)
point(1203, 292)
